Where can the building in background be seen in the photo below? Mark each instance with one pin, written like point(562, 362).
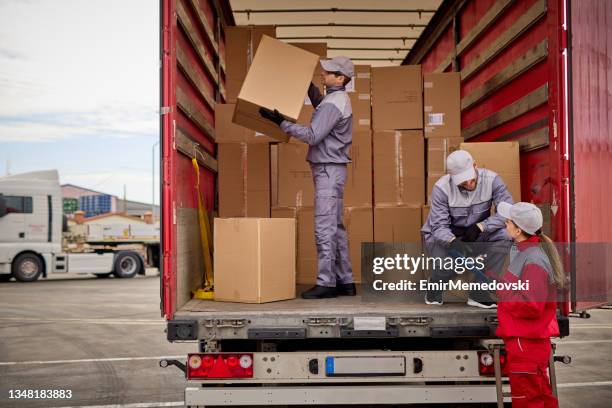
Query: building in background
point(95, 203)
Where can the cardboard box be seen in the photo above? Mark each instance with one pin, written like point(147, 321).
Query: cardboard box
point(358, 187)
point(362, 113)
point(244, 179)
point(307, 263)
point(397, 224)
point(241, 43)
point(431, 180)
point(227, 131)
point(254, 259)
point(361, 81)
point(358, 222)
point(501, 157)
point(399, 167)
point(321, 50)
point(438, 149)
point(278, 78)
point(295, 185)
point(397, 97)
point(274, 175)
point(442, 104)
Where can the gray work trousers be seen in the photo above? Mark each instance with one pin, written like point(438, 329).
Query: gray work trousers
point(334, 265)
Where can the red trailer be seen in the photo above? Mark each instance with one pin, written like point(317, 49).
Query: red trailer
point(536, 71)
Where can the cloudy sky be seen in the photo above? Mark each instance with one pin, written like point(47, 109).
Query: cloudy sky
point(79, 91)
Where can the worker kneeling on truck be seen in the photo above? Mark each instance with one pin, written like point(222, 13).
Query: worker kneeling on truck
point(329, 136)
point(460, 224)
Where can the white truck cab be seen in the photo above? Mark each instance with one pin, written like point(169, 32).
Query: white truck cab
point(31, 227)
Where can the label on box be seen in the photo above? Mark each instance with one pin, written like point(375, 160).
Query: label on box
point(364, 122)
point(363, 97)
point(428, 84)
point(427, 108)
point(435, 119)
point(363, 75)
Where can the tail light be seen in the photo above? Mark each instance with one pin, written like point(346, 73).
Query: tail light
point(219, 365)
point(486, 364)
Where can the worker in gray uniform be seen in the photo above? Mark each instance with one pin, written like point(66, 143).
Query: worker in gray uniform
point(459, 216)
point(329, 137)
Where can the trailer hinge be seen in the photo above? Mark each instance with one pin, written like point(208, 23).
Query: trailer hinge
point(327, 321)
point(410, 321)
point(220, 323)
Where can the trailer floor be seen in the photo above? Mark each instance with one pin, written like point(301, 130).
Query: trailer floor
point(340, 306)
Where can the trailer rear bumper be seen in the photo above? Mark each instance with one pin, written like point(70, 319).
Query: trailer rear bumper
point(349, 395)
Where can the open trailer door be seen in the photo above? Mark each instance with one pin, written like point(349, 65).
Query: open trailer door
point(590, 85)
point(192, 81)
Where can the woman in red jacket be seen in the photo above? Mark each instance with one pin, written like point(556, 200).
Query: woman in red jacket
point(527, 318)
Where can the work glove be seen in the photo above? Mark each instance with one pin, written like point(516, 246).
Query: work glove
point(272, 115)
point(461, 248)
point(472, 233)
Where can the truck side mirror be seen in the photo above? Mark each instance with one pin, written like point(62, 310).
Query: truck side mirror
point(2, 206)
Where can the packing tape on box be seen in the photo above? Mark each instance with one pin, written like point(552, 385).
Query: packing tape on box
point(399, 166)
point(443, 149)
point(243, 164)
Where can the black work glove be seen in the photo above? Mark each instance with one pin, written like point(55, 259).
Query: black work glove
point(461, 247)
point(272, 115)
point(471, 233)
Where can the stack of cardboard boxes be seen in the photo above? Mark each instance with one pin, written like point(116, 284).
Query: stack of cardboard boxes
point(404, 125)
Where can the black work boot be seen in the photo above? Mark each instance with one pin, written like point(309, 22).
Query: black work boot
point(320, 292)
point(346, 289)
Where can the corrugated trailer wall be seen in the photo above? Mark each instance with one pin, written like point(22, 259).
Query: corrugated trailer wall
point(192, 78)
point(509, 54)
point(591, 85)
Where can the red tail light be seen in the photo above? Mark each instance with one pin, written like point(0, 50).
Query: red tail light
point(486, 364)
point(219, 365)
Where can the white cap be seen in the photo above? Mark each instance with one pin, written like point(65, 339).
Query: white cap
point(341, 64)
point(526, 216)
point(460, 166)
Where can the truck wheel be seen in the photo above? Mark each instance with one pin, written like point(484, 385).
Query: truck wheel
point(27, 268)
point(127, 264)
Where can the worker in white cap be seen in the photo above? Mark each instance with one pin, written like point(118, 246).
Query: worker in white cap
point(329, 137)
point(528, 318)
point(460, 214)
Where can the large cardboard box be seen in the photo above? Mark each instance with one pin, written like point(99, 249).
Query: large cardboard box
point(361, 81)
point(425, 213)
point(227, 131)
point(431, 180)
point(358, 186)
point(278, 78)
point(241, 42)
point(358, 222)
point(397, 224)
point(397, 97)
point(254, 259)
point(502, 158)
point(399, 167)
point(362, 114)
point(307, 264)
point(295, 185)
point(438, 149)
point(244, 179)
point(321, 50)
point(442, 104)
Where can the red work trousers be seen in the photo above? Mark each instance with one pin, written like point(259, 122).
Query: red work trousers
point(528, 364)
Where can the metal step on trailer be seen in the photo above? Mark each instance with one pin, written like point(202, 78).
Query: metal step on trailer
point(342, 317)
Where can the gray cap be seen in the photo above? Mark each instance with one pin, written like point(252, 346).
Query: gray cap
point(340, 64)
point(526, 216)
point(460, 166)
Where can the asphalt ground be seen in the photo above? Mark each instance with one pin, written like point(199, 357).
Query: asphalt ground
point(101, 339)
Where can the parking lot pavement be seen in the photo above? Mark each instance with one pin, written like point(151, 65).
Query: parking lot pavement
point(101, 339)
